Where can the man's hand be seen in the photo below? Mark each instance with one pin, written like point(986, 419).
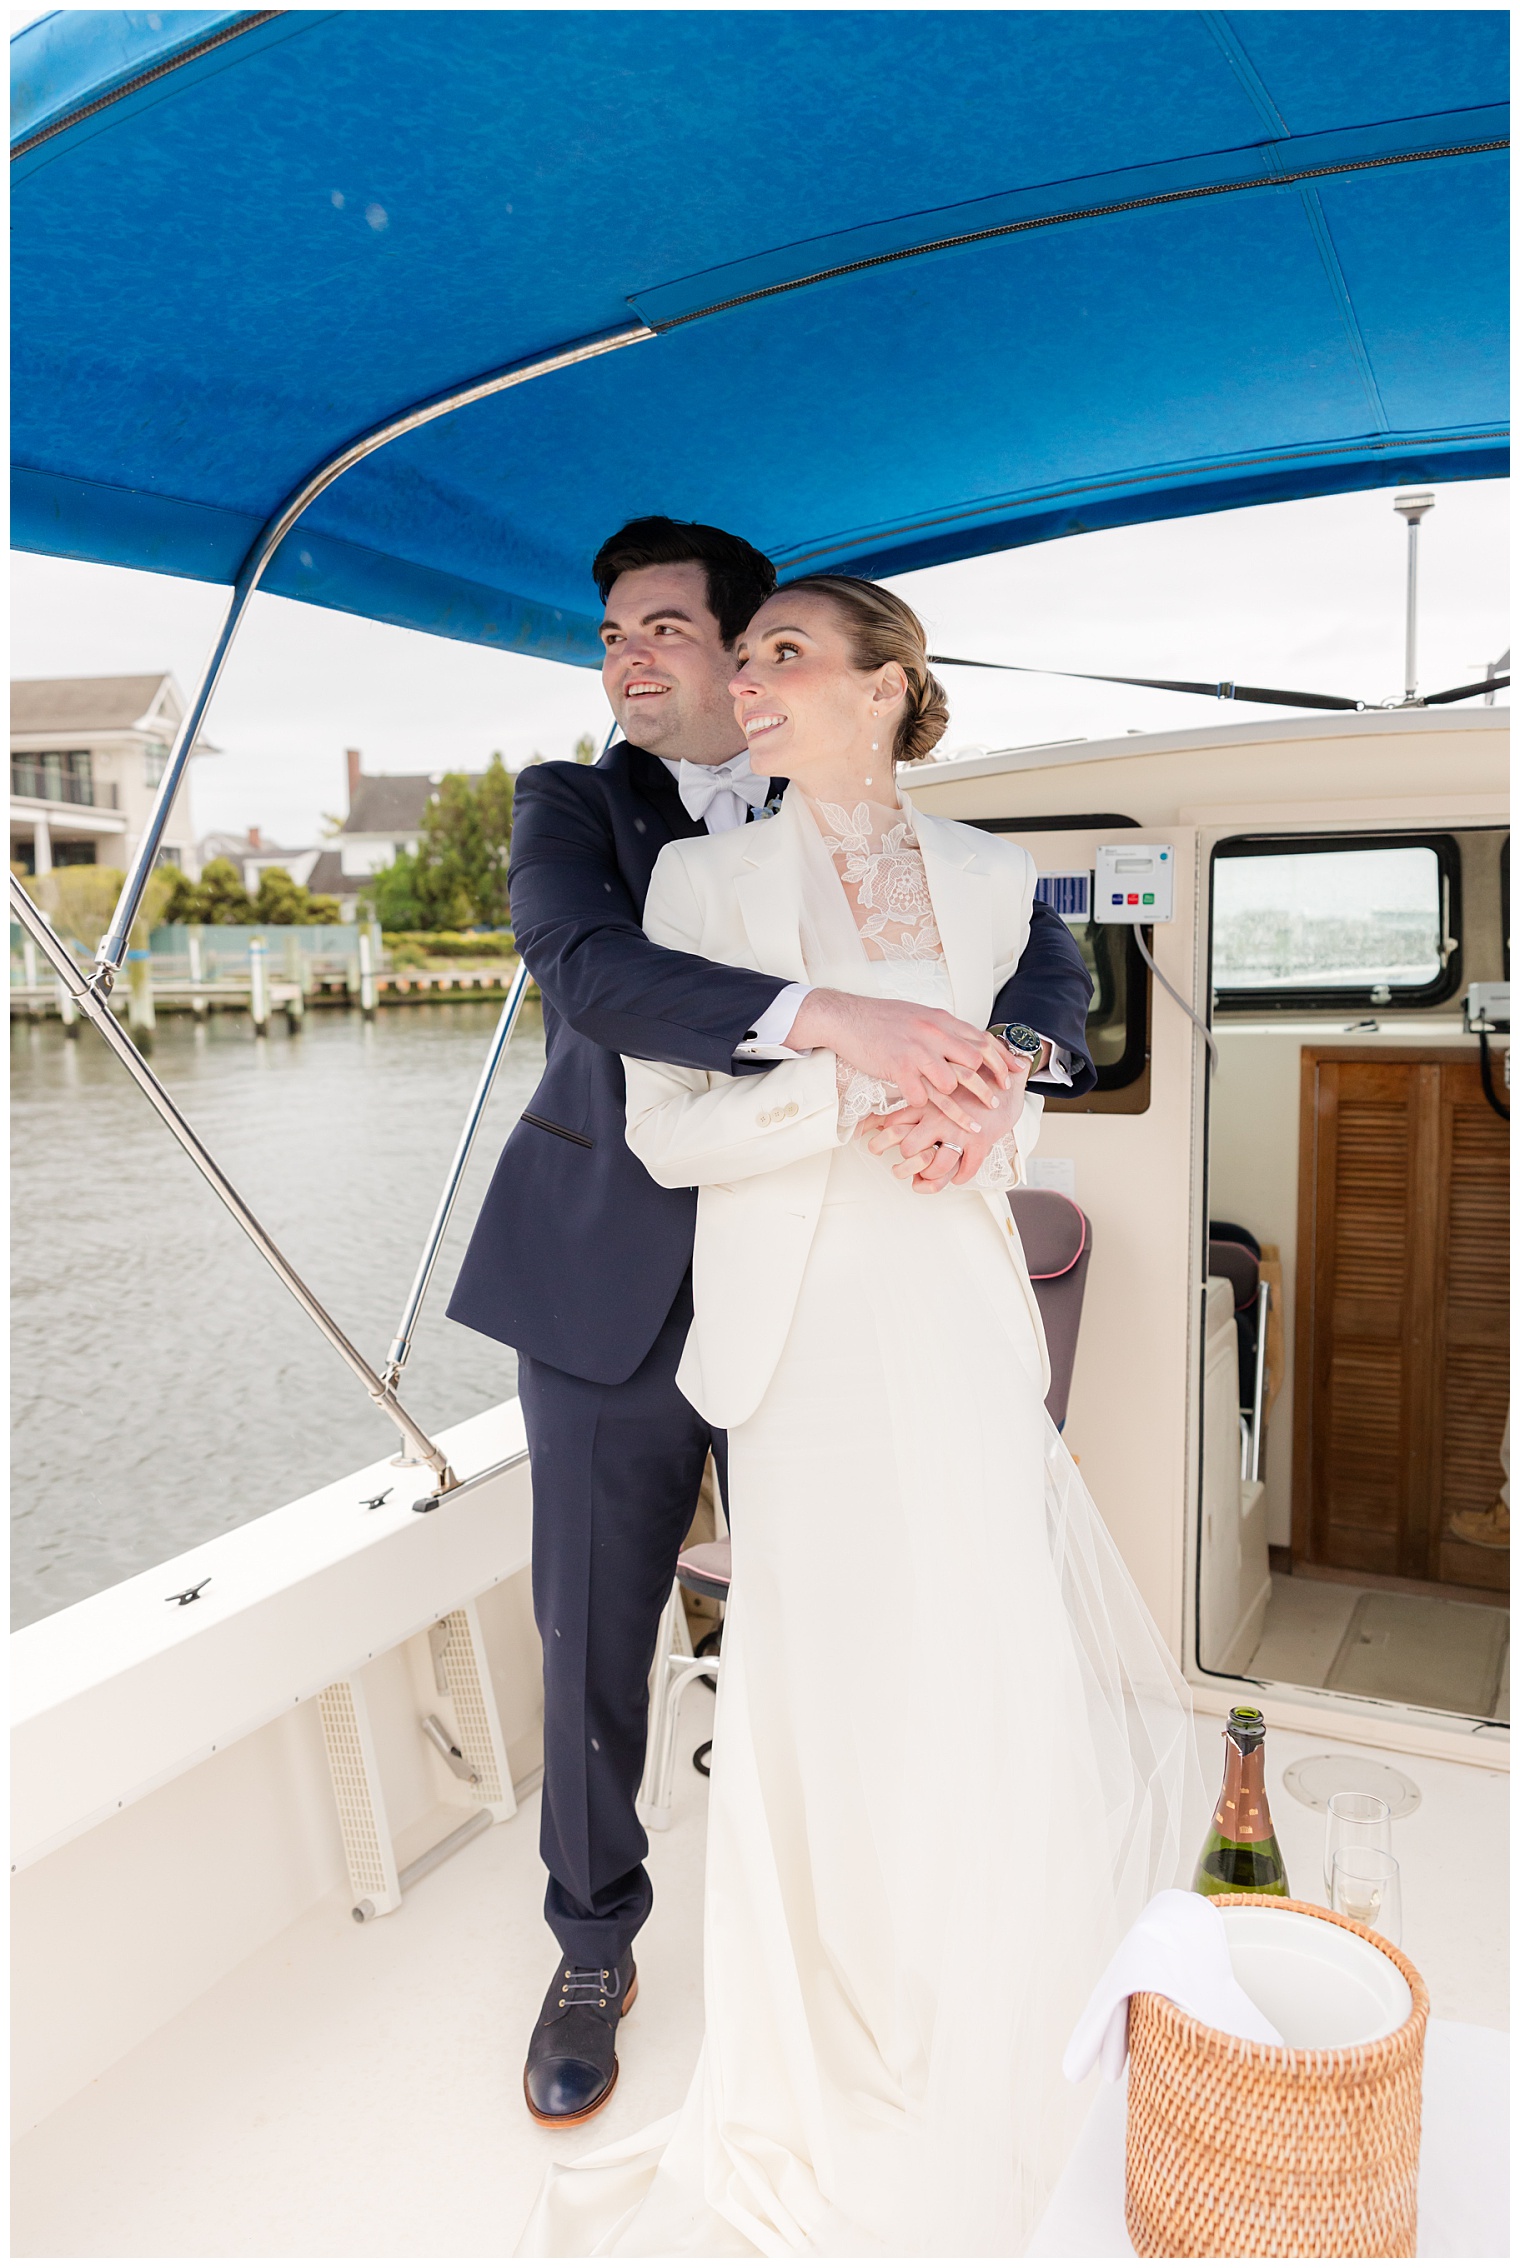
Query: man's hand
point(937, 1151)
point(926, 1054)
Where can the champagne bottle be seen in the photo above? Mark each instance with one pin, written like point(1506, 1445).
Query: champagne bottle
point(1241, 1850)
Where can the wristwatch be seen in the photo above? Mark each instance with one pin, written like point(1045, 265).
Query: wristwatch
point(1020, 1039)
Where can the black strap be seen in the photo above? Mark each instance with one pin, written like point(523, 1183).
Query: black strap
point(1224, 689)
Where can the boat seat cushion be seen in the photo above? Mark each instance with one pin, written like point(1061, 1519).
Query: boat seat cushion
point(1052, 1230)
point(706, 1568)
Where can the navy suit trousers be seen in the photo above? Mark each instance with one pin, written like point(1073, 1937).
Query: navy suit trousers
point(616, 1475)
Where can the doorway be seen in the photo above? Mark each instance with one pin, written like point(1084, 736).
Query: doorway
point(1402, 1355)
point(1358, 1153)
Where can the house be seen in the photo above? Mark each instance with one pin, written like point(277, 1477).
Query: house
point(385, 815)
point(87, 755)
point(252, 856)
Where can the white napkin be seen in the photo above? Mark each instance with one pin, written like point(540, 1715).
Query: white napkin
point(1177, 1948)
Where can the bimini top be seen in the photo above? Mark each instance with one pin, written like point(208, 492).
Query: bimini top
point(897, 287)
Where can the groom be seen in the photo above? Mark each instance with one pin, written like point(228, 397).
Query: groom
point(583, 1264)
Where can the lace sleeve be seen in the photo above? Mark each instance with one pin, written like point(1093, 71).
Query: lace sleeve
point(1001, 1168)
point(861, 1097)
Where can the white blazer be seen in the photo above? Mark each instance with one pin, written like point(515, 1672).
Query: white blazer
point(756, 1148)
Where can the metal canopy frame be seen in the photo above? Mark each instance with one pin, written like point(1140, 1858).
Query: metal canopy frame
point(113, 945)
point(92, 993)
point(1304, 161)
point(422, 1450)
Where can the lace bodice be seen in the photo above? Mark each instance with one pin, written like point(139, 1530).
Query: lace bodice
point(877, 859)
point(880, 868)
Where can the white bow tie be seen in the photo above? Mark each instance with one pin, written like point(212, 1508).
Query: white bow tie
point(719, 793)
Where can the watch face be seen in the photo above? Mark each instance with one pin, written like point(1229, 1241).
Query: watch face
point(1021, 1038)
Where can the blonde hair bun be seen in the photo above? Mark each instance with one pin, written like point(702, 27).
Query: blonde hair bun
point(884, 628)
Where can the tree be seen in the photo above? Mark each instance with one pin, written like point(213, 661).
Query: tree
point(585, 749)
point(411, 894)
point(282, 900)
point(218, 898)
point(458, 873)
point(80, 900)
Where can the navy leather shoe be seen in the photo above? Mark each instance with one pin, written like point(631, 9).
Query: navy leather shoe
point(572, 2064)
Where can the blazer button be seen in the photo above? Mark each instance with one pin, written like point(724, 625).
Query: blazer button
point(791, 1110)
point(762, 1118)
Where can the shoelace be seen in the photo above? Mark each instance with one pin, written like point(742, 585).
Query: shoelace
point(584, 1988)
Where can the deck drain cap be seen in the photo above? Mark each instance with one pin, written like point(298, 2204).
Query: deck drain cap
point(1315, 1779)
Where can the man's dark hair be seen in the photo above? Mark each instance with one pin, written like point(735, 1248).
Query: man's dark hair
point(739, 578)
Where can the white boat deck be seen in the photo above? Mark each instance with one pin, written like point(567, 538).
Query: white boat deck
point(356, 2091)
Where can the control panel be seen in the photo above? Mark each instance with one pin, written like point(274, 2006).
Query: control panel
point(1133, 882)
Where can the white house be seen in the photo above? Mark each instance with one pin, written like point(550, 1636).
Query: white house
point(385, 815)
point(87, 754)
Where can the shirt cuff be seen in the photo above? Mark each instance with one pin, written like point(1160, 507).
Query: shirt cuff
point(1057, 1072)
point(763, 1044)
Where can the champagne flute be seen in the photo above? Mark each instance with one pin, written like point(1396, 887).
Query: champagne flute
point(1356, 1822)
point(1365, 1887)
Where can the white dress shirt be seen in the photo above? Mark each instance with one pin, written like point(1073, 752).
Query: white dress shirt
point(728, 795)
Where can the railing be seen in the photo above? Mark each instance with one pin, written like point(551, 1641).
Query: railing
point(46, 782)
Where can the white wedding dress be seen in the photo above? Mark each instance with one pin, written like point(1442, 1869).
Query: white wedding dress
point(950, 1750)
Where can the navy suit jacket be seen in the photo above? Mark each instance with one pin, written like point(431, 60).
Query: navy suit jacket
point(577, 1254)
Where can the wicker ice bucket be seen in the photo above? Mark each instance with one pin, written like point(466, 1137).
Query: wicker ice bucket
point(1236, 2150)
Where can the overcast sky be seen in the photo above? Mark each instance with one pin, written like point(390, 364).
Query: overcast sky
point(1304, 595)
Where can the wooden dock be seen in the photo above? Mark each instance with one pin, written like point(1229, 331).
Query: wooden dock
point(393, 987)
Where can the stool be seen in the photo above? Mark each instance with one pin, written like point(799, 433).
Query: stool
point(705, 1568)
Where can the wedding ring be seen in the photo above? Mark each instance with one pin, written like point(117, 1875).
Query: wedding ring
point(955, 1146)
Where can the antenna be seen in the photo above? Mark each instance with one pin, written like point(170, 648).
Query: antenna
point(1412, 508)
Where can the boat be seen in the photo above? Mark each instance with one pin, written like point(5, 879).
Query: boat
point(275, 1884)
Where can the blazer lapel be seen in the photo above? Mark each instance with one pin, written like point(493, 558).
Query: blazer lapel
point(651, 780)
point(768, 889)
point(959, 892)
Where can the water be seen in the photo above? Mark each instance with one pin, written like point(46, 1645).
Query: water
point(165, 1386)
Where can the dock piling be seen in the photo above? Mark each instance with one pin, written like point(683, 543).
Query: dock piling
point(366, 973)
point(140, 1017)
point(198, 1007)
point(258, 985)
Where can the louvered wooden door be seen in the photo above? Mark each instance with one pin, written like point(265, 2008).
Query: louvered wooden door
point(1401, 1367)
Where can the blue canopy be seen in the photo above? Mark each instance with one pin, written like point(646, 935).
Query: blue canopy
point(923, 284)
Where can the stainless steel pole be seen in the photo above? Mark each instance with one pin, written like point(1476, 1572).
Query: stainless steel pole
point(98, 1011)
point(113, 945)
point(1259, 1386)
point(401, 1345)
point(1412, 509)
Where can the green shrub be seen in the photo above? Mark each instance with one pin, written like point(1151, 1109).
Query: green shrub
point(451, 945)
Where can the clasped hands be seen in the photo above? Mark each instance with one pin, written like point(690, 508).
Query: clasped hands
point(944, 1141)
point(962, 1089)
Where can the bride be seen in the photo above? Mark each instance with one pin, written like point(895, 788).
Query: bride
point(950, 1750)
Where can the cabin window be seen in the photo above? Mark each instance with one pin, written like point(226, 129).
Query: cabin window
point(1348, 921)
point(1116, 1033)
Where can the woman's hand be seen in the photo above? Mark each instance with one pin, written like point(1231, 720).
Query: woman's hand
point(937, 1150)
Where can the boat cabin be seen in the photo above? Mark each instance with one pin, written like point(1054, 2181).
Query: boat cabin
point(1339, 888)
